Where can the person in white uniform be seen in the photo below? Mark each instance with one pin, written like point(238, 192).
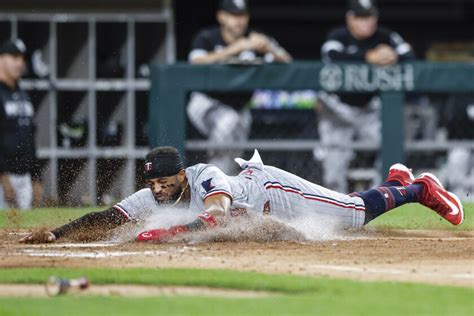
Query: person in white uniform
point(259, 189)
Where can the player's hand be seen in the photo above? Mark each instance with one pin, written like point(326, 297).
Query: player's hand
point(162, 234)
point(240, 45)
point(382, 55)
point(42, 237)
point(260, 43)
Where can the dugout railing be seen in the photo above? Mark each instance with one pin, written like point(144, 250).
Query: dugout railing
point(172, 83)
point(91, 96)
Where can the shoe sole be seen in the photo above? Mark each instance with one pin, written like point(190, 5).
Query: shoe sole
point(452, 195)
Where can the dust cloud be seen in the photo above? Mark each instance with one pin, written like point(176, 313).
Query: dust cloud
point(247, 228)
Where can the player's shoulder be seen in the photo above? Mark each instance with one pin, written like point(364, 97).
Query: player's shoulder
point(201, 168)
point(197, 173)
point(387, 34)
point(4, 90)
point(138, 204)
point(383, 31)
point(141, 195)
point(340, 33)
point(144, 191)
point(209, 33)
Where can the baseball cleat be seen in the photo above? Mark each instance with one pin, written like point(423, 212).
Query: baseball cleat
point(401, 174)
point(434, 196)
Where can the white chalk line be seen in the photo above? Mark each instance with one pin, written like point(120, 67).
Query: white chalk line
point(41, 252)
point(408, 237)
point(92, 254)
point(75, 245)
point(390, 271)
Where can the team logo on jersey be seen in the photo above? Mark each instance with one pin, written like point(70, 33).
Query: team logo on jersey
point(207, 185)
point(148, 166)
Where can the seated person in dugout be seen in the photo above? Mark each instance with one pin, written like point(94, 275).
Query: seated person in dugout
point(223, 117)
point(259, 189)
point(361, 39)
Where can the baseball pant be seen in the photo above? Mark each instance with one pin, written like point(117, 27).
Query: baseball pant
point(23, 191)
point(458, 173)
point(222, 125)
point(339, 124)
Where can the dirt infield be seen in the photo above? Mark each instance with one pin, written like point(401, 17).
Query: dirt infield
point(436, 257)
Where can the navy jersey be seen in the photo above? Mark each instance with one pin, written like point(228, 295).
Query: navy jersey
point(17, 131)
point(210, 40)
point(342, 46)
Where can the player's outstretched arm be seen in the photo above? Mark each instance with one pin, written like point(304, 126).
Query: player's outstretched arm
point(90, 226)
point(216, 206)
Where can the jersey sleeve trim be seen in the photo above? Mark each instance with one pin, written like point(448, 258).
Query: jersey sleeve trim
point(196, 53)
point(216, 192)
point(403, 48)
point(332, 45)
point(122, 211)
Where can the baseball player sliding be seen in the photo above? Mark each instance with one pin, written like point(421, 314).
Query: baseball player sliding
point(260, 189)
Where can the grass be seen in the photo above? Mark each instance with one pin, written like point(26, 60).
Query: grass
point(294, 295)
point(411, 216)
point(48, 217)
point(415, 216)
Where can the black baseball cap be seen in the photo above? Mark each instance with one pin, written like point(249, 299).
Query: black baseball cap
point(13, 47)
point(234, 6)
point(162, 162)
point(363, 7)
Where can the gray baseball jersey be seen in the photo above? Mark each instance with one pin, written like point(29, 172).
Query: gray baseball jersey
point(259, 189)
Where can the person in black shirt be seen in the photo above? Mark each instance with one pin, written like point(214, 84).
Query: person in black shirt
point(222, 117)
point(362, 39)
point(18, 163)
point(345, 118)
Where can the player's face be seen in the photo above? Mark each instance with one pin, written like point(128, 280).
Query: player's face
point(362, 27)
point(166, 189)
point(234, 24)
point(12, 66)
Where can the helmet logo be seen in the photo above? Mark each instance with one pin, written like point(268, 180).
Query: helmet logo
point(148, 166)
